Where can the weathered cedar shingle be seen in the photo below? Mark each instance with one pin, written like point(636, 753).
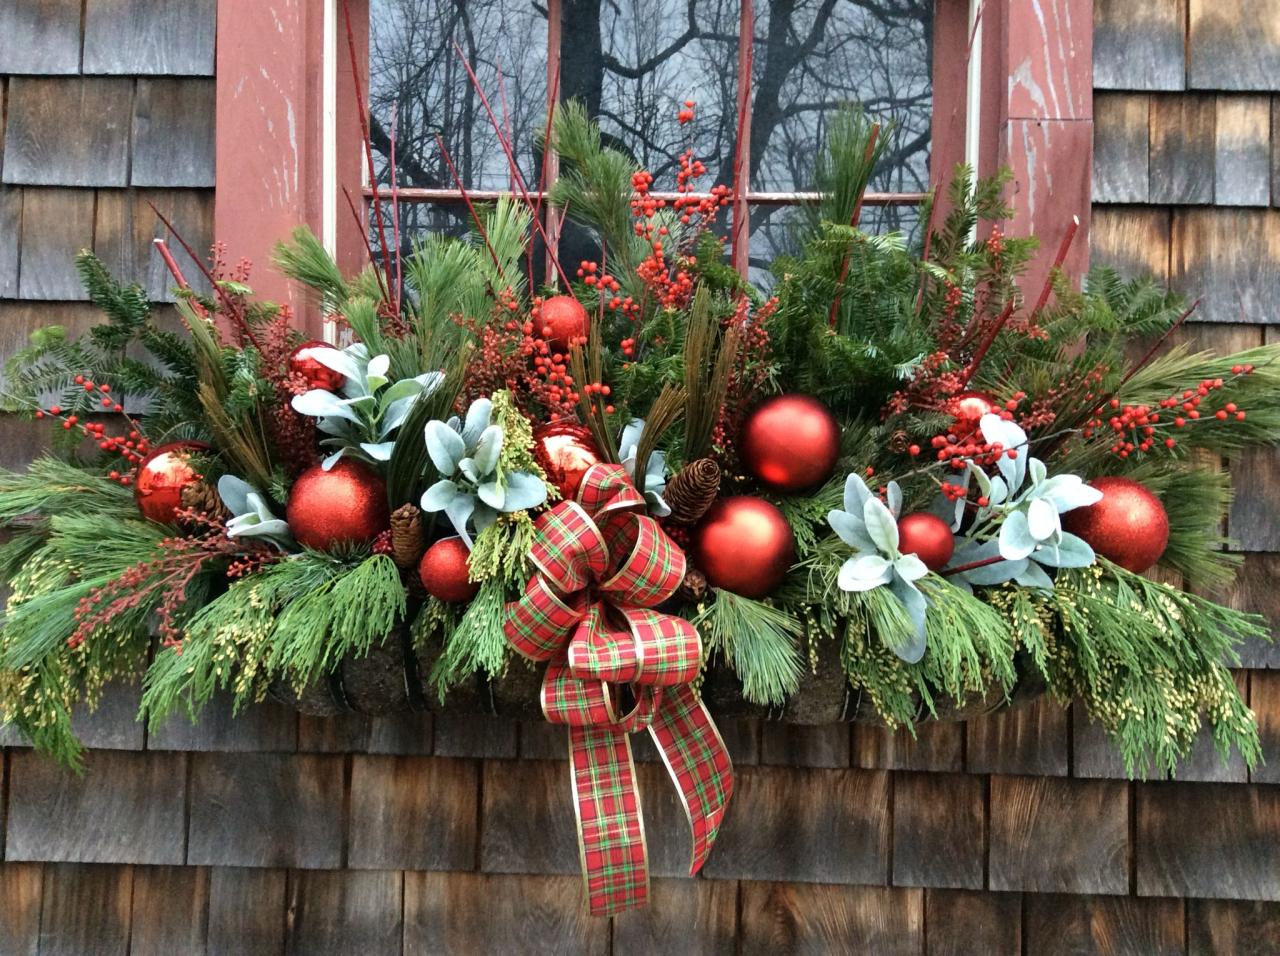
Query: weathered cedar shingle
point(961, 923)
point(114, 725)
point(265, 727)
point(126, 228)
point(173, 133)
point(56, 224)
point(939, 830)
point(1242, 152)
point(935, 745)
point(693, 917)
point(85, 910)
point(527, 818)
point(1233, 45)
point(1208, 839)
point(149, 37)
point(10, 236)
point(125, 808)
point(498, 915)
point(19, 319)
point(473, 735)
point(1093, 753)
point(170, 910)
point(772, 831)
point(336, 913)
point(796, 745)
point(68, 132)
point(1132, 239)
point(20, 896)
point(1227, 928)
point(1120, 147)
point(1275, 151)
point(413, 813)
point(1255, 590)
point(1254, 520)
point(1264, 699)
point(266, 810)
point(1119, 926)
point(1138, 44)
point(540, 740)
point(1028, 739)
point(404, 733)
point(40, 36)
point(1039, 845)
point(797, 919)
point(246, 911)
point(1231, 257)
point(1182, 149)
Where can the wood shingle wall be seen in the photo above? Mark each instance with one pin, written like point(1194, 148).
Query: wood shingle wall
point(273, 833)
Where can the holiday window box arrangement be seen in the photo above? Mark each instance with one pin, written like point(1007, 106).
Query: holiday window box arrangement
point(649, 480)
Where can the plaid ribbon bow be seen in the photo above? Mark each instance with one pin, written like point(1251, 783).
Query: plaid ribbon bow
point(616, 666)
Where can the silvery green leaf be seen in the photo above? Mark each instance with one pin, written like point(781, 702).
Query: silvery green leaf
point(658, 506)
point(1069, 552)
point(459, 512)
point(234, 493)
point(405, 388)
point(864, 573)
point(428, 380)
point(524, 491)
point(997, 573)
point(910, 567)
point(1034, 576)
point(1042, 519)
point(631, 437)
point(851, 530)
point(488, 448)
point(467, 468)
point(917, 610)
point(1015, 537)
point(1037, 471)
point(439, 495)
point(256, 503)
point(1068, 492)
point(378, 451)
point(317, 403)
point(333, 459)
point(856, 494)
point(982, 478)
point(1010, 437)
point(894, 496)
point(482, 517)
point(882, 527)
point(445, 447)
point(492, 494)
point(395, 414)
point(376, 375)
point(999, 492)
point(478, 417)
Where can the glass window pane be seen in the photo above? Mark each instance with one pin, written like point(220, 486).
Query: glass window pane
point(774, 230)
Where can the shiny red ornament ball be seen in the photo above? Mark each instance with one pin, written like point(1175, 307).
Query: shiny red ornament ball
point(791, 443)
point(744, 545)
point(1128, 526)
point(444, 572)
point(316, 374)
point(967, 408)
point(347, 503)
point(928, 537)
point(565, 450)
point(161, 477)
point(566, 318)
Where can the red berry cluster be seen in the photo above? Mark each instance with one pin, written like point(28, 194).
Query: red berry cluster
point(995, 242)
point(513, 354)
point(958, 452)
point(607, 285)
point(703, 207)
point(131, 445)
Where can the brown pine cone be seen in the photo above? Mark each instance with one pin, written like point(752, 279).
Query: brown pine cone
point(407, 539)
point(202, 497)
point(691, 492)
point(694, 586)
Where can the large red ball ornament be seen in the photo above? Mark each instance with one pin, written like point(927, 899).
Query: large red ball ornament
point(564, 320)
point(445, 574)
point(967, 408)
point(565, 450)
point(1128, 526)
point(347, 503)
point(791, 443)
point(161, 477)
point(928, 537)
point(744, 545)
point(316, 374)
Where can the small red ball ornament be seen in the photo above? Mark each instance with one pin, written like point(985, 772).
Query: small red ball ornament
point(161, 477)
point(791, 443)
point(928, 537)
point(744, 545)
point(565, 450)
point(445, 574)
point(347, 503)
point(1128, 526)
point(316, 374)
point(566, 319)
point(968, 409)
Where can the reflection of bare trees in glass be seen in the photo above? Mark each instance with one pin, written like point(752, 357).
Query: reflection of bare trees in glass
point(634, 62)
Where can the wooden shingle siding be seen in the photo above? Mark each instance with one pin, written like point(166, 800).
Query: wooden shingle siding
point(173, 125)
point(170, 910)
point(40, 37)
point(1242, 159)
point(56, 224)
point(149, 37)
point(1139, 44)
point(85, 910)
point(1099, 924)
point(1182, 149)
point(1228, 927)
point(1232, 258)
point(337, 913)
point(68, 132)
point(246, 911)
point(1121, 148)
point(799, 919)
point(1233, 45)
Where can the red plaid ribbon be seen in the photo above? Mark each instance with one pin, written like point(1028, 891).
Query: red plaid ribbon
point(616, 666)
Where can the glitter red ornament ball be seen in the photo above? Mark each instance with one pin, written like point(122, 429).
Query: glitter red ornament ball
point(316, 374)
point(444, 572)
point(928, 537)
point(161, 477)
point(744, 545)
point(968, 409)
point(566, 319)
point(1128, 526)
point(791, 443)
point(347, 503)
point(565, 450)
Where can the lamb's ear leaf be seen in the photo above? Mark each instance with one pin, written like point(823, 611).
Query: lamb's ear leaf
point(445, 447)
point(912, 648)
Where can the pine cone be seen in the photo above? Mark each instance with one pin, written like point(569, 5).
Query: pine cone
point(691, 492)
point(694, 586)
point(202, 497)
point(407, 539)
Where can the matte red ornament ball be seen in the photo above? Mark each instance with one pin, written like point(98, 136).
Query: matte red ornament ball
point(444, 571)
point(744, 545)
point(565, 450)
point(347, 503)
point(161, 476)
point(1128, 526)
point(791, 443)
point(566, 318)
point(928, 537)
point(968, 409)
point(316, 374)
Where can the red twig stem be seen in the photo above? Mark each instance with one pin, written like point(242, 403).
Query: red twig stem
point(475, 216)
point(1063, 248)
point(1151, 352)
point(924, 253)
point(971, 566)
point(853, 222)
point(162, 247)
